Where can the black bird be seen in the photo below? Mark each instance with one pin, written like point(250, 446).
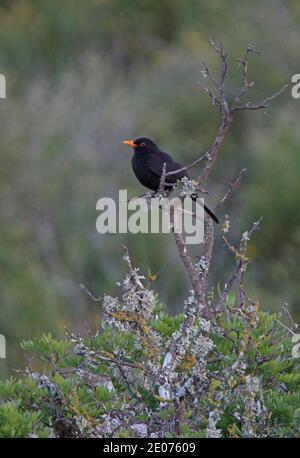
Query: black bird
point(147, 163)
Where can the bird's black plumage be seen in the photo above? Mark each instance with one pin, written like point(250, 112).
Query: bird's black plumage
point(148, 162)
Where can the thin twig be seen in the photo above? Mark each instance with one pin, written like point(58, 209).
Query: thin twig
point(241, 263)
point(188, 166)
point(214, 99)
point(208, 246)
point(285, 327)
point(162, 179)
point(88, 292)
point(208, 73)
point(285, 309)
point(135, 278)
point(246, 84)
point(231, 188)
point(228, 287)
point(264, 104)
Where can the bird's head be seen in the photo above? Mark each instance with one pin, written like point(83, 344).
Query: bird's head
point(141, 145)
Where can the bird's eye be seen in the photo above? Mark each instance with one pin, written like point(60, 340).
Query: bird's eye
point(143, 144)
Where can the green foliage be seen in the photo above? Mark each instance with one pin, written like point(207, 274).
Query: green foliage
point(165, 325)
point(78, 399)
point(47, 347)
point(16, 423)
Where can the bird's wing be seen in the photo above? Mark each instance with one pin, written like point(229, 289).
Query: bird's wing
point(171, 165)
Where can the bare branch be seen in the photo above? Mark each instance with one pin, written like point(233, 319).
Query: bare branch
point(226, 117)
point(215, 101)
point(285, 309)
point(187, 261)
point(242, 294)
point(241, 264)
point(284, 326)
point(153, 277)
point(135, 278)
point(220, 102)
point(232, 187)
point(207, 72)
point(246, 84)
point(228, 287)
point(88, 292)
point(215, 148)
point(162, 179)
point(262, 105)
point(224, 68)
point(227, 113)
point(198, 278)
point(208, 246)
point(119, 362)
point(253, 229)
point(186, 167)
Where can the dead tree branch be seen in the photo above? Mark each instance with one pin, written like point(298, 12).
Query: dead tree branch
point(163, 179)
point(262, 105)
point(227, 110)
point(246, 84)
point(231, 188)
point(242, 261)
point(88, 292)
point(187, 260)
point(188, 166)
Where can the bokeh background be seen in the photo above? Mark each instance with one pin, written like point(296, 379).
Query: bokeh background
point(84, 75)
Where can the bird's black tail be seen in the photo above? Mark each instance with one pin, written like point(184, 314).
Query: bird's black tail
point(211, 214)
point(208, 211)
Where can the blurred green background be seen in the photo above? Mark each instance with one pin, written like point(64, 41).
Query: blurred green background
point(84, 75)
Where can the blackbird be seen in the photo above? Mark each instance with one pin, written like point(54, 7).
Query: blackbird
point(148, 162)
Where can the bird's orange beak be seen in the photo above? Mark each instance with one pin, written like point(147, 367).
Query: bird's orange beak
point(129, 143)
